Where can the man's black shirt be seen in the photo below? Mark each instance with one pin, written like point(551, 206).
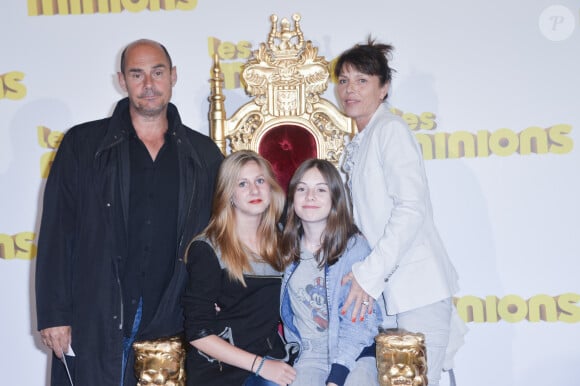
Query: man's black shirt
point(152, 228)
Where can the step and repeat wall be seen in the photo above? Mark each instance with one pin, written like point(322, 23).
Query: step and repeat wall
point(491, 90)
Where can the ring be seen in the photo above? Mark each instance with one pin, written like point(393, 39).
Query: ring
point(365, 303)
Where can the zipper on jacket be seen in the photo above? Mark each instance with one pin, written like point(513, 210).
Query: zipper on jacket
point(118, 139)
point(327, 307)
point(180, 241)
point(121, 305)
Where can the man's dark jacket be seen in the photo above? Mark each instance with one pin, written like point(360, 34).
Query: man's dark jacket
point(83, 241)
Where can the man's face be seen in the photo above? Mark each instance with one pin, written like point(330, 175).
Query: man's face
point(148, 79)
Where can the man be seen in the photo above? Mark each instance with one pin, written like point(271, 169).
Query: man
point(124, 196)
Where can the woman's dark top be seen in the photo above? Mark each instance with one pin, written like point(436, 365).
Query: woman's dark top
point(248, 317)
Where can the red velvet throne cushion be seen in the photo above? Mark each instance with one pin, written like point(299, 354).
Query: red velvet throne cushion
point(286, 147)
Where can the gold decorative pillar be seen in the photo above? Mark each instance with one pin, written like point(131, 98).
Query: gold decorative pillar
point(217, 113)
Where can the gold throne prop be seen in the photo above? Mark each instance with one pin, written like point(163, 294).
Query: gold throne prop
point(401, 358)
point(160, 362)
point(286, 121)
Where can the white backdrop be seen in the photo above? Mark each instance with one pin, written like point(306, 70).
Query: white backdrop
point(491, 73)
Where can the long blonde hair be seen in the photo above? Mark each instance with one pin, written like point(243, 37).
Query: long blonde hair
point(221, 230)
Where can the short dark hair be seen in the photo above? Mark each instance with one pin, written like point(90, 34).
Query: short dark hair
point(371, 58)
point(144, 41)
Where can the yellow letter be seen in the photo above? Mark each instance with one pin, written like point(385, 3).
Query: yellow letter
point(14, 90)
point(428, 121)
point(441, 145)
point(88, 7)
point(33, 7)
point(412, 120)
point(42, 132)
point(46, 162)
point(461, 144)
point(470, 308)
point(426, 145)
point(139, 6)
point(168, 5)
point(483, 143)
point(227, 50)
point(244, 49)
point(186, 5)
point(62, 7)
point(25, 248)
point(75, 7)
point(47, 8)
point(116, 6)
point(542, 307)
point(491, 309)
point(6, 247)
point(503, 142)
point(512, 308)
point(568, 304)
point(54, 139)
point(231, 74)
point(103, 6)
point(396, 111)
point(559, 142)
point(212, 45)
point(533, 139)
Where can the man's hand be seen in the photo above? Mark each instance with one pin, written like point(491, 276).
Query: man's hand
point(58, 339)
point(363, 302)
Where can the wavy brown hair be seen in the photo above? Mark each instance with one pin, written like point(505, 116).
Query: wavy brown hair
point(339, 224)
point(221, 230)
